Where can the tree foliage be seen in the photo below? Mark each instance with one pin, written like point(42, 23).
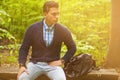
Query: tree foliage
point(88, 20)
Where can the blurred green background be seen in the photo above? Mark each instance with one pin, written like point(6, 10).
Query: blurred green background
point(88, 20)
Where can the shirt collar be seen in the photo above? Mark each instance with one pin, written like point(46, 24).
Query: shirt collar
point(46, 26)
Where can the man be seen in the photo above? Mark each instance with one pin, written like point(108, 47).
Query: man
point(45, 38)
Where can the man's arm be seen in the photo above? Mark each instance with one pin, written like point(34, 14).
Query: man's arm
point(23, 52)
point(71, 46)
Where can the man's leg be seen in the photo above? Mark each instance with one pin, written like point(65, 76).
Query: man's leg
point(33, 72)
point(55, 73)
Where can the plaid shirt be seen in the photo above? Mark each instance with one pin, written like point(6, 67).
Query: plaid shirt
point(48, 33)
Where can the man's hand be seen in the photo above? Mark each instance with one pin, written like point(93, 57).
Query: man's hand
point(21, 70)
point(56, 63)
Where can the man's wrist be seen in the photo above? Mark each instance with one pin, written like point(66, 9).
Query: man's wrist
point(62, 61)
point(21, 65)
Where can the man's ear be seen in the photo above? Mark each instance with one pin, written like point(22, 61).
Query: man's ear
point(44, 13)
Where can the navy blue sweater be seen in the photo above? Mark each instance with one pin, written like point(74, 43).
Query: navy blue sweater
point(40, 52)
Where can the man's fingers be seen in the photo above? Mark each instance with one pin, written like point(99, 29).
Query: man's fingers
point(18, 76)
point(26, 71)
point(22, 69)
point(19, 73)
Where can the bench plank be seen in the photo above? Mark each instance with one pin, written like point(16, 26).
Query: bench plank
point(102, 74)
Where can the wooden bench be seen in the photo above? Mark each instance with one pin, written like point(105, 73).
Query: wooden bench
point(102, 74)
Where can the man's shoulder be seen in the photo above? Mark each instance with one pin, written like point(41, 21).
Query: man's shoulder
point(62, 27)
point(34, 27)
point(36, 24)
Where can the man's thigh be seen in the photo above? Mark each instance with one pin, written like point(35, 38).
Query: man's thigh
point(56, 73)
point(33, 72)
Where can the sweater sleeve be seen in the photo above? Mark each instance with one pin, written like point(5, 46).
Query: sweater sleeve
point(23, 52)
point(71, 46)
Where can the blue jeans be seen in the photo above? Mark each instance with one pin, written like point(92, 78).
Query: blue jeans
point(34, 70)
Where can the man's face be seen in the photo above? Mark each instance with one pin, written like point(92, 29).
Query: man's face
point(51, 16)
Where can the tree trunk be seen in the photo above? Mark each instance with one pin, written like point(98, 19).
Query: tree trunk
point(113, 56)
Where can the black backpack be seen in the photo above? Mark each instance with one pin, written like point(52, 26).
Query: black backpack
point(79, 65)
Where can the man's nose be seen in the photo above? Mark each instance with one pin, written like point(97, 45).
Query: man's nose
point(57, 16)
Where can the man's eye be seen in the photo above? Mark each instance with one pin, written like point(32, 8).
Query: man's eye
point(54, 14)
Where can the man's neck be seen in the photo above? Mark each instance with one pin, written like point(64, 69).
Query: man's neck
point(48, 24)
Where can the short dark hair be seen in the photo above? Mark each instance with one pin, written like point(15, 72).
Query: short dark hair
point(50, 4)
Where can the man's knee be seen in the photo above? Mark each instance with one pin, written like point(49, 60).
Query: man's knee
point(23, 77)
point(59, 78)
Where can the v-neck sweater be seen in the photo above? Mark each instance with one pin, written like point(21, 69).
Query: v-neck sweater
point(40, 52)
